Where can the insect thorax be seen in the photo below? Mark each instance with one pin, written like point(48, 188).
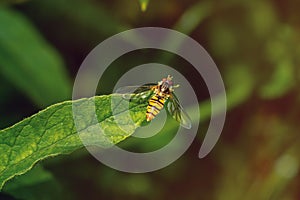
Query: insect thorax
point(162, 93)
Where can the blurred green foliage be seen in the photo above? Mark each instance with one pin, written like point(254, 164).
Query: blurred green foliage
point(37, 67)
point(37, 180)
point(256, 46)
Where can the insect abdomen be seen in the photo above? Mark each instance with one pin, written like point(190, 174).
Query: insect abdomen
point(156, 103)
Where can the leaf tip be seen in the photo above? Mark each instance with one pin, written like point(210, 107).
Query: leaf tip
point(144, 5)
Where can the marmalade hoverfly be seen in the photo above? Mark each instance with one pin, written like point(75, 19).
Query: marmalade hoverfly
point(162, 95)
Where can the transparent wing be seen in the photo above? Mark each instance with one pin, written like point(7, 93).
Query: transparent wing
point(177, 112)
point(134, 89)
point(128, 92)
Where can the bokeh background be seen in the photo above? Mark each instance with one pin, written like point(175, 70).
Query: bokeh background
point(255, 44)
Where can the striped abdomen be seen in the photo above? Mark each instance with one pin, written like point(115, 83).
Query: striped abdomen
point(156, 103)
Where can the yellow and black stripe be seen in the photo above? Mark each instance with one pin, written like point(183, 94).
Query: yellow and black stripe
point(156, 103)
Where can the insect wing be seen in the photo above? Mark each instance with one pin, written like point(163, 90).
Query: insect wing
point(130, 92)
point(177, 112)
point(133, 89)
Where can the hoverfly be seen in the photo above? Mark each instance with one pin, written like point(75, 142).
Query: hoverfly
point(162, 95)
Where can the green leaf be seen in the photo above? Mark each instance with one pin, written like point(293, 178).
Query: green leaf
point(52, 131)
point(29, 63)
